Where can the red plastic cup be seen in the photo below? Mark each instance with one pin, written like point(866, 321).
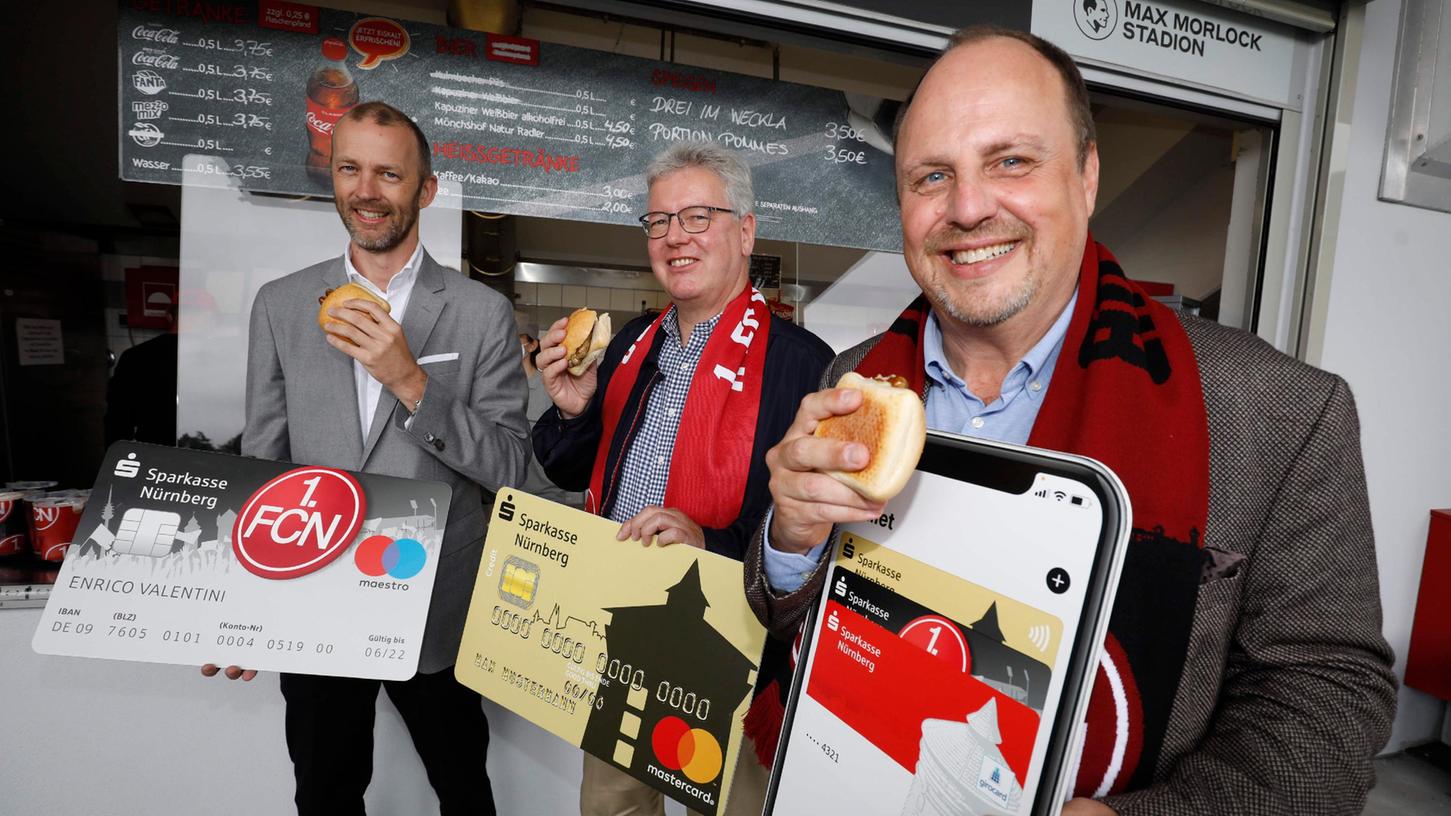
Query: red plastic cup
point(14, 523)
point(53, 521)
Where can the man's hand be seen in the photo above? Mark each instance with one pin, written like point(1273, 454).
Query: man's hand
point(808, 503)
point(1087, 807)
point(666, 524)
point(378, 343)
point(232, 672)
point(571, 395)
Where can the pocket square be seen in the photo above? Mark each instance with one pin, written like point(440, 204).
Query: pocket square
point(438, 358)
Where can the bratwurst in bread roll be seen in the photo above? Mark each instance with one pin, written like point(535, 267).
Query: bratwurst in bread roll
point(891, 423)
point(586, 337)
point(336, 297)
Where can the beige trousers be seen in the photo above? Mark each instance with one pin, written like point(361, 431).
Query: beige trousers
point(608, 791)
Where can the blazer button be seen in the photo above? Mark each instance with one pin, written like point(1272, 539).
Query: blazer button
point(438, 444)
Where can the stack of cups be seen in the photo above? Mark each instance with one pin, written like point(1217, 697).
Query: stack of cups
point(14, 524)
point(29, 491)
point(54, 517)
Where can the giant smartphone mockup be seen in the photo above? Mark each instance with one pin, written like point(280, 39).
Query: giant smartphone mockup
point(948, 665)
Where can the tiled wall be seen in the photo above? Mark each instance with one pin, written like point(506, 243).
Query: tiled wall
point(540, 304)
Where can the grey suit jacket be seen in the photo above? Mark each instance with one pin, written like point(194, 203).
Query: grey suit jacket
point(469, 431)
point(1287, 691)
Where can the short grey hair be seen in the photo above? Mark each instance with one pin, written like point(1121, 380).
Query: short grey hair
point(726, 165)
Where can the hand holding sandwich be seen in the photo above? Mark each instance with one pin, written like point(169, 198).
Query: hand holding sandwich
point(357, 323)
point(849, 451)
point(567, 355)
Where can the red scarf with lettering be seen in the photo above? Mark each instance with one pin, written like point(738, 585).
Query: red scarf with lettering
point(712, 455)
point(1125, 391)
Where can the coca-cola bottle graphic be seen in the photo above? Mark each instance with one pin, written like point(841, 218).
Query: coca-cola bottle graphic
point(331, 92)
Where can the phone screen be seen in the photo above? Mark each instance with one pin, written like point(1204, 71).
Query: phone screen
point(939, 650)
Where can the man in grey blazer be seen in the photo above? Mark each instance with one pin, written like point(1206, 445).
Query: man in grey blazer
point(436, 396)
point(1278, 690)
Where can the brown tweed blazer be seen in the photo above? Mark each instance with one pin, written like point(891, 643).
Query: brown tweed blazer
point(1287, 691)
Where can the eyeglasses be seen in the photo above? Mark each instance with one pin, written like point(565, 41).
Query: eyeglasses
point(692, 220)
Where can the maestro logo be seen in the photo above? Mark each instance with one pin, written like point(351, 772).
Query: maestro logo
point(1096, 18)
point(692, 751)
point(399, 559)
point(298, 522)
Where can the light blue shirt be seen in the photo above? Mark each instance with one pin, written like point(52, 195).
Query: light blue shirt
point(952, 407)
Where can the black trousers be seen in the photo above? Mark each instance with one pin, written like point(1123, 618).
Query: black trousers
point(330, 739)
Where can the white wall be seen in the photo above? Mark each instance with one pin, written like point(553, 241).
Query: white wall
point(1387, 333)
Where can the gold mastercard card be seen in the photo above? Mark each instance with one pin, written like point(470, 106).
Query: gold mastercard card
point(643, 656)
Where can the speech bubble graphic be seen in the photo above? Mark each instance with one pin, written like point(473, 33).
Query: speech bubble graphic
point(378, 40)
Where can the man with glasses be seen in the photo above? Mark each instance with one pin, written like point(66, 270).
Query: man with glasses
point(669, 432)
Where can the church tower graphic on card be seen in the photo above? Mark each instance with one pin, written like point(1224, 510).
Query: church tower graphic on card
point(661, 719)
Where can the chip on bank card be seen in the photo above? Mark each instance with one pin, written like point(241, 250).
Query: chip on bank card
point(519, 581)
point(146, 532)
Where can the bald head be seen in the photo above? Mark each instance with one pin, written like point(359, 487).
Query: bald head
point(1072, 93)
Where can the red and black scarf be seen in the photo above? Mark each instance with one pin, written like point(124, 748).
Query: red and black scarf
point(1125, 391)
point(712, 455)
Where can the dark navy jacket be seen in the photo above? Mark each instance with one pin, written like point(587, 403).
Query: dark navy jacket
point(566, 448)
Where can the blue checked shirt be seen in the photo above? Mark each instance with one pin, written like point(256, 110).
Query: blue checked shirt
point(646, 467)
point(952, 407)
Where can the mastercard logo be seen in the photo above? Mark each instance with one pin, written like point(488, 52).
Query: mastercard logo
point(400, 558)
point(692, 751)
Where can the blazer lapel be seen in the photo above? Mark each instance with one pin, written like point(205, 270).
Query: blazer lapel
point(336, 376)
point(424, 306)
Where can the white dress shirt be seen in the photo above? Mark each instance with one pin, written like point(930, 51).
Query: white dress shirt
point(400, 288)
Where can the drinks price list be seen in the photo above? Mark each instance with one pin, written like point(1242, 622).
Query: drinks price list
point(522, 127)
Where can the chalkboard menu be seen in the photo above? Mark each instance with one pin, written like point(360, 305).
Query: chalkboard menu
point(523, 127)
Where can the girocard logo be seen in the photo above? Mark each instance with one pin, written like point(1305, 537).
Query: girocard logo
point(298, 523)
point(1096, 18)
point(692, 751)
point(399, 559)
point(149, 82)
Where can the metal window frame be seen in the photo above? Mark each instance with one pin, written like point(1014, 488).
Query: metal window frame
point(1417, 168)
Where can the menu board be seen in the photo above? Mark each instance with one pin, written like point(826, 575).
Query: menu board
point(523, 127)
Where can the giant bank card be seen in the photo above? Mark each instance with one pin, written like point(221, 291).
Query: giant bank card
point(192, 557)
point(643, 656)
point(949, 660)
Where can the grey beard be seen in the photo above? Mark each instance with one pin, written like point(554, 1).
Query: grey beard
point(985, 319)
point(392, 237)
